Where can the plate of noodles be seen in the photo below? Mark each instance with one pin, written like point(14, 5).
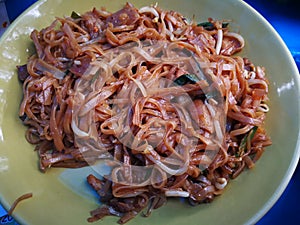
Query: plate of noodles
point(165, 112)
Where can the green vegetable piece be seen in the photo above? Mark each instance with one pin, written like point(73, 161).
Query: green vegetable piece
point(186, 79)
point(243, 144)
point(210, 26)
point(224, 25)
point(75, 15)
point(206, 25)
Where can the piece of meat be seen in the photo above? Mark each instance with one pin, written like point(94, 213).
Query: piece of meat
point(22, 72)
point(126, 16)
point(81, 66)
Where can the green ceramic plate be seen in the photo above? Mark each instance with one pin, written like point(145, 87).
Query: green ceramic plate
point(62, 197)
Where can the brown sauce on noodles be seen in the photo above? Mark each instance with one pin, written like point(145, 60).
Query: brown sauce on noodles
point(57, 82)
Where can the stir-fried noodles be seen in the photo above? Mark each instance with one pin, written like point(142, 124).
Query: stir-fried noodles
point(164, 101)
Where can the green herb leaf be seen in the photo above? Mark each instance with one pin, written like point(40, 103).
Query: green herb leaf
point(210, 26)
point(243, 144)
point(206, 25)
point(75, 15)
point(186, 79)
point(224, 25)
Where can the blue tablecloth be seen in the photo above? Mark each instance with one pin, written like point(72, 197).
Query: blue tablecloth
point(285, 18)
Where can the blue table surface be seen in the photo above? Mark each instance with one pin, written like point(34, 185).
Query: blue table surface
point(285, 18)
